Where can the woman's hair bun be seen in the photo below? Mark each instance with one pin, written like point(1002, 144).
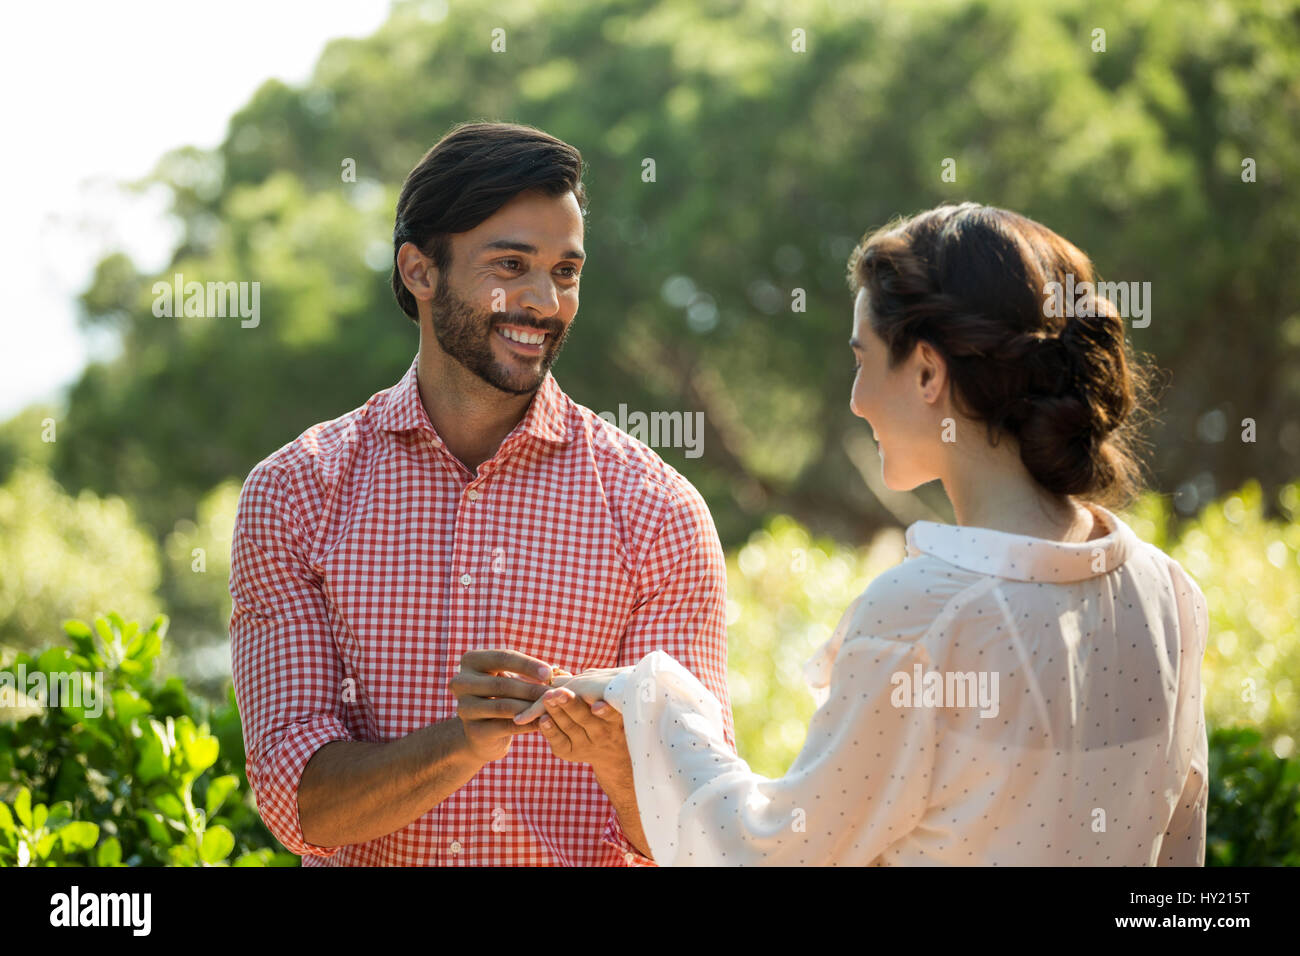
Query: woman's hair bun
point(973, 281)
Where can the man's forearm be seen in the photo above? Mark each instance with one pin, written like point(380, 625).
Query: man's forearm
point(618, 785)
point(354, 791)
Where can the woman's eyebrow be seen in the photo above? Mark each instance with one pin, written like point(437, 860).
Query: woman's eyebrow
point(854, 343)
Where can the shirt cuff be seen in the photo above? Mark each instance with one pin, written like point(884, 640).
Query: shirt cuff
point(274, 778)
point(616, 838)
point(615, 688)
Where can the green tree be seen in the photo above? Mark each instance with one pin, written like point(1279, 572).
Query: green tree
point(771, 160)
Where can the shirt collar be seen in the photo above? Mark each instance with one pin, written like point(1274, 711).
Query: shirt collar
point(1022, 558)
point(546, 419)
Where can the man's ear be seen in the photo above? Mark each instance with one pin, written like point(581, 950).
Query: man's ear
point(932, 372)
point(419, 274)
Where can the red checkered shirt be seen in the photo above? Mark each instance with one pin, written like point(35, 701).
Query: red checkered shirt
point(367, 559)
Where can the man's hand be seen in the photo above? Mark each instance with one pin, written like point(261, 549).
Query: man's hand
point(589, 685)
point(490, 689)
point(581, 727)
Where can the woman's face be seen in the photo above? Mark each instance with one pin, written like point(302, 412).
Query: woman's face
point(901, 405)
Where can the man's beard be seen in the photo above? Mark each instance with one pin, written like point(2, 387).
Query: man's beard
point(466, 335)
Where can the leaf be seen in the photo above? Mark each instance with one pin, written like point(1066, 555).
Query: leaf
point(77, 630)
point(202, 753)
point(218, 790)
point(153, 822)
point(82, 639)
point(107, 637)
point(23, 807)
point(127, 704)
point(55, 660)
point(150, 647)
point(170, 805)
point(6, 819)
point(153, 762)
point(109, 853)
point(40, 813)
point(181, 855)
point(79, 835)
point(218, 841)
point(132, 640)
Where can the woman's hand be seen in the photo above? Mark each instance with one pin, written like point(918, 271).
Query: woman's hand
point(589, 686)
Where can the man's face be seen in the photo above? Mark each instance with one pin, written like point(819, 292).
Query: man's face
point(515, 274)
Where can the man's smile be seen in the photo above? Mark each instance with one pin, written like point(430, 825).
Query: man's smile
point(526, 341)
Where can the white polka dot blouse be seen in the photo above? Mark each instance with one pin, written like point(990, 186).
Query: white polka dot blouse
point(994, 700)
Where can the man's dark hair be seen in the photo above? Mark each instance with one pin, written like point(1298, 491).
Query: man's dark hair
point(466, 177)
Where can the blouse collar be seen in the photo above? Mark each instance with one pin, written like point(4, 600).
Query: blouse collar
point(1020, 557)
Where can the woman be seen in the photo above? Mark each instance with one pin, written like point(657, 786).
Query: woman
point(1025, 687)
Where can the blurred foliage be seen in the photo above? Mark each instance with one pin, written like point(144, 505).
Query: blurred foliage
point(785, 594)
point(128, 770)
point(1249, 568)
point(63, 556)
point(1253, 817)
point(196, 585)
point(770, 164)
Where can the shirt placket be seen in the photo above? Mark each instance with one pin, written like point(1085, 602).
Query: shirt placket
point(477, 570)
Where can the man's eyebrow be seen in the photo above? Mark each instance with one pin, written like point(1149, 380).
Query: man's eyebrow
point(854, 343)
point(514, 245)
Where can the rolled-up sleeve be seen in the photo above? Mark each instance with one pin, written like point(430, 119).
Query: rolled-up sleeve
point(682, 612)
point(288, 677)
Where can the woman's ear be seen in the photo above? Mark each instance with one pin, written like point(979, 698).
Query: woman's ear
point(931, 372)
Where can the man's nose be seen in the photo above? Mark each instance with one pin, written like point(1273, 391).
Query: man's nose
point(541, 298)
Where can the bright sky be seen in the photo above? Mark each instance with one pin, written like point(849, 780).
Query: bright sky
point(94, 94)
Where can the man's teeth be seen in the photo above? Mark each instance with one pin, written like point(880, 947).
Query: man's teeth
point(524, 337)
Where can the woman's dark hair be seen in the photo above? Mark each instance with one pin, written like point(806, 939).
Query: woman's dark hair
point(466, 177)
point(975, 283)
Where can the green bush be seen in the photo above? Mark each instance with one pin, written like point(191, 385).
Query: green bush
point(1254, 811)
point(125, 770)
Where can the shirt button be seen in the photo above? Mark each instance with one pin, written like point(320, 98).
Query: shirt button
point(627, 856)
point(467, 579)
point(472, 494)
point(455, 846)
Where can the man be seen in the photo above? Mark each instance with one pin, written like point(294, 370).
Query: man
point(408, 577)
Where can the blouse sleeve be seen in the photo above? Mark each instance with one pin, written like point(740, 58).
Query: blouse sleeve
point(1184, 839)
point(860, 783)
